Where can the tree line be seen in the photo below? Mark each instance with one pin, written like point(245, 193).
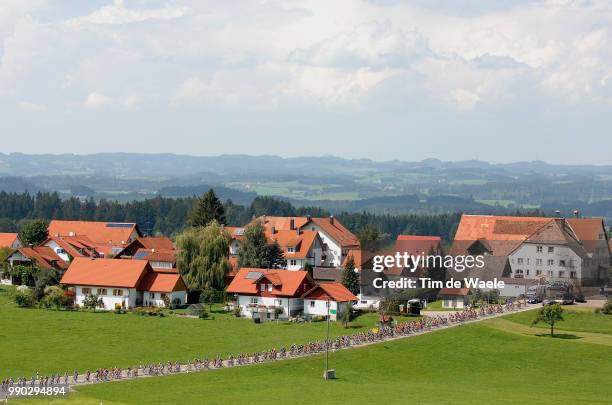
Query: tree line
point(170, 216)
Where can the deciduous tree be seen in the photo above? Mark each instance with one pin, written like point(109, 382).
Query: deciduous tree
point(202, 256)
point(549, 314)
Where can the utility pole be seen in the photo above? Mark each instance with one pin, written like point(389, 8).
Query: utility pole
point(327, 344)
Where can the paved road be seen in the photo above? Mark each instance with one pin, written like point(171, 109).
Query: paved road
point(184, 368)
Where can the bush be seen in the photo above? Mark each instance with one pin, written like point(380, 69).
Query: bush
point(317, 318)
point(607, 308)
point(54, 296)
point(24, 297)
point(149, 311)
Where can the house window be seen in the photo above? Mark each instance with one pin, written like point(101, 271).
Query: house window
point(538, 272)
point(270, 287)
point(254, 300)
point(293, 262)
point(101, 291)
point(86, 291)
point(539, 249)
point(262, 287)
point(278, 303)
point(163, 295)
point(561, 273)
point(152, 295)
point(550, 262)
point(326, 304)
point(527, 272)
point(117, 292)
point(290, 249)
point(538, 262)
point(572, 274)
point(551, 249)
point(562, 263)
point(571, 263)
point(549, 273)
point(312, 304)
point(520, 260)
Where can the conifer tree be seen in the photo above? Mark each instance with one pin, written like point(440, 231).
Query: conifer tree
point(350, 279)
point(206, 209)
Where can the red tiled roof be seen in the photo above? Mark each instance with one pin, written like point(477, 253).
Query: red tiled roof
point(331, 226)
point(106, 272)
point(332, 291)
point(337, 231)
point(156, 255)
point(44, 257)
point(7, 239)
point(162, 282)
point(417, 245)
point(285, 239)
point(454, 291)
point(75, 246)
point(236, 232)
point(99, 232)
point(286, 283)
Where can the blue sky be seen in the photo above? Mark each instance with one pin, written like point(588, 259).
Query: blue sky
point(466, 79)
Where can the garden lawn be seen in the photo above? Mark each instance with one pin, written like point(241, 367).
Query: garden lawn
point(470, 364)
point(576, 319)
point(49, 341)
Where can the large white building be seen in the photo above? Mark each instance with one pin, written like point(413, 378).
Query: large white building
point(570, 250)
point(123, 283)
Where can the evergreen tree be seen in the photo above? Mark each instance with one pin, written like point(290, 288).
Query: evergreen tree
point(436, 271)
point(207, 209)
point(350, 279)
point(254, 250)
point(202, 256)
point(308, 267)
point(276, 257)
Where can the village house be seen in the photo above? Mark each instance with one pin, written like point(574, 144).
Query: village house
point(570, 250)
point(41, 257)
point(109, 238)
point(336, 239)
point(455, 298)
point(10, 240)
point(123, 283)
point(299, 247)
point(327, 299)
point(267, 294)
point(69, 247)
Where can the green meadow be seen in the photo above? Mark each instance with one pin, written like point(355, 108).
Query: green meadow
point(483, 363)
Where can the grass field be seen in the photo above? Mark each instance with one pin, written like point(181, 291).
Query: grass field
point(47, 341)
point(576, 319)
point(473, 364)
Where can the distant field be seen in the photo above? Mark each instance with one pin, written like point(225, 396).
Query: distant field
point(471, 364)
point(50, 341)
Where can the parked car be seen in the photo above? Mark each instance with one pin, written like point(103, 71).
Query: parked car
point(534, 300)
point(567, 301)
point(580, 298)
point(549, 302)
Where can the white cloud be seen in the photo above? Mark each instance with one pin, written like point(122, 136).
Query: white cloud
point(96, 101)
point(118, 13)
point(33, 107)
point(334, 86)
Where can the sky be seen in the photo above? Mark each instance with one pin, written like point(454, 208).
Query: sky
point(493, 80)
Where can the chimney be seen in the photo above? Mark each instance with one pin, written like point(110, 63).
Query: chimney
point(558, 213)
point(292, 224)
point(577, 213)
point(331, 219)
point(308, 218)
point(273, 230)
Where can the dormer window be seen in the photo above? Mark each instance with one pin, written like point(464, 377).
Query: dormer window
point(290, 249)
point(262, 287)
